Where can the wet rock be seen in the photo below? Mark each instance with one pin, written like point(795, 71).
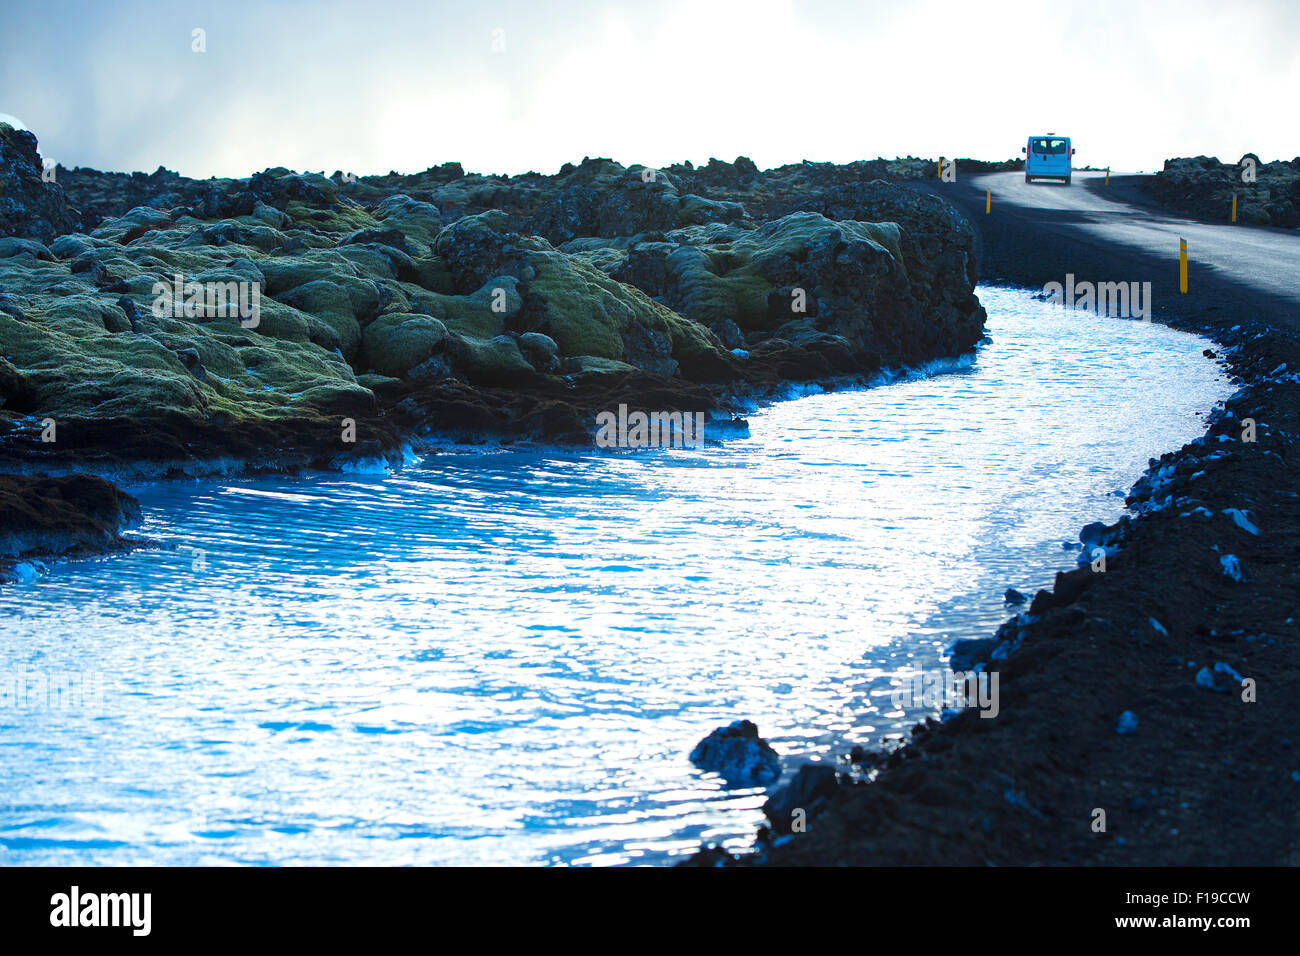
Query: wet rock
point(58, 515)
point(1091, 535)
point(965, 654)
point(739, 755)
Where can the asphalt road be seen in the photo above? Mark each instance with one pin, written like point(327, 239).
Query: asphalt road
point(1038, 232)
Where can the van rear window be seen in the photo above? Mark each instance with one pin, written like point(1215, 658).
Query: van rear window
point(1052, 147)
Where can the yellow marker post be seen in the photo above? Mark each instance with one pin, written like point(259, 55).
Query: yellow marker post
point(988, 201)
point(1107, 176)
point(1182, 264)
point(1234, 207)
point(938, 168)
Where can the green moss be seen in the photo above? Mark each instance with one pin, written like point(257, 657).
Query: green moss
point(482, 314)
point(416, 220)
point(883, 234)
point(340, 220)
point(432, 273)
point(339, 303)
point(287, 272)
point(495, 362)
point(397, 342)
point(135, 222)
point(96, 373)
point(739, 293)
point(586, 310)
point(720, 272)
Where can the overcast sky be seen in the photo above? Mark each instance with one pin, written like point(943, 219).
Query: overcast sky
point(510, 86)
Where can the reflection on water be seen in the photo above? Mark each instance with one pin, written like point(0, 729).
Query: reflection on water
point(505, 657)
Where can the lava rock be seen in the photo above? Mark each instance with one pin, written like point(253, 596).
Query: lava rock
point(30, 206)
point(965, 654)
point(1202, 186)
point(738, 754)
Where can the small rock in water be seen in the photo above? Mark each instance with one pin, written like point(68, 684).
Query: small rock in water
point(738, 754)
point(25, 572)
point(1012, 596)
point(1128, 723)
point(1091, 534)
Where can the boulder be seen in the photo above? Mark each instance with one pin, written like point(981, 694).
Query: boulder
point(30, 206)
point(739, 755)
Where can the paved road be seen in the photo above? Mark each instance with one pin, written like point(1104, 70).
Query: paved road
point(1037, 232)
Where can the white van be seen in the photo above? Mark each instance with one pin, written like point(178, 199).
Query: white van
point(1048, 157)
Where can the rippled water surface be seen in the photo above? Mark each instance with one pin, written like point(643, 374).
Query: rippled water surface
point(506, 656)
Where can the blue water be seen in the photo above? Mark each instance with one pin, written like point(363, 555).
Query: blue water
point(505, 656)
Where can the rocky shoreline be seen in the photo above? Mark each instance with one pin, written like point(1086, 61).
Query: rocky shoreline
point(291, 320)
point(399, 309)
point(1156, 691)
